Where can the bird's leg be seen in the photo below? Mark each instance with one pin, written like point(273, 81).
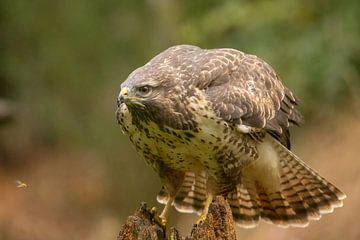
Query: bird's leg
point(162, 218)
point(206, 208)
point(166, 209)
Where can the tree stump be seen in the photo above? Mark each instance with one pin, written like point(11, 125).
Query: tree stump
point(218, 224)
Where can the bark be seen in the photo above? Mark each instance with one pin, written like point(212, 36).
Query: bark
point(218, 224)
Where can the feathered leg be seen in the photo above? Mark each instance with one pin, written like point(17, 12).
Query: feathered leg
point(166, 209)
point(172, 181)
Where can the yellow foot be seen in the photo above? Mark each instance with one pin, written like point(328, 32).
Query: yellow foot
point(157, 218)
point(201, 218)
point(203, 215)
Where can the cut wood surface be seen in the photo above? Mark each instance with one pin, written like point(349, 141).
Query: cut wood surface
point(218, 224)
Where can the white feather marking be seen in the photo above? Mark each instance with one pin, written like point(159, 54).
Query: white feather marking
point(244, 128)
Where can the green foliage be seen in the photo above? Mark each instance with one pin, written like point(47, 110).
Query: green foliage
point(63, 61)
point(314, 45)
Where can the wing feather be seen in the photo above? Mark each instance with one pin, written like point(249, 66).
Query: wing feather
point(244, 89)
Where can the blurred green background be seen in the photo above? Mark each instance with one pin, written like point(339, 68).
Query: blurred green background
point(61, 65)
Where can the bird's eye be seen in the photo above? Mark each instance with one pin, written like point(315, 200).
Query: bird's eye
point(144, 90)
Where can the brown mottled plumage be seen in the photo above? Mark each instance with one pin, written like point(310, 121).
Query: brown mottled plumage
point(215, 122)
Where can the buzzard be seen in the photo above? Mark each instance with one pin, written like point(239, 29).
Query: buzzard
point(216, 122)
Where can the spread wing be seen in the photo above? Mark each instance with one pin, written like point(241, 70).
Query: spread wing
point(244, 89)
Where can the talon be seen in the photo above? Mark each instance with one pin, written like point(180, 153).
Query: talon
point(163, 222)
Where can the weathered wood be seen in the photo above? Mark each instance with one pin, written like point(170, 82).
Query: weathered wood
point(218, 224)
point(141, 225)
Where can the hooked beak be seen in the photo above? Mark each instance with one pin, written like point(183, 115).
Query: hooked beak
point(123, 95)
point(125, 98)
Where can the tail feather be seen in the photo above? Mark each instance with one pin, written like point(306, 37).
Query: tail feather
point(244, 205)
point(302, 200)
point(277, 209)
point(285, 215)
point(268, 212)
point(191, 195)
point(315, 191)
point(302, 195)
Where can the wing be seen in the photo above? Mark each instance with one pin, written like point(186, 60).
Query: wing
point(244, 89)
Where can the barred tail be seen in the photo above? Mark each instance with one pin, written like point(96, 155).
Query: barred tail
point(302, 195)
point(191, 195)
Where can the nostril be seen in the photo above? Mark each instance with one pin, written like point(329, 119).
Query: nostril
point(124, 92)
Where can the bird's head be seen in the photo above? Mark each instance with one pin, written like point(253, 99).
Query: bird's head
point(139, 94)
point(147, 90)
point(156, 91)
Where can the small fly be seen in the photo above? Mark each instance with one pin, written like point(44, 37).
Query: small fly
point(21, 184)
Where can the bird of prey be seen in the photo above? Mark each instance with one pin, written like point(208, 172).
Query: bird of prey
point(216, 122)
